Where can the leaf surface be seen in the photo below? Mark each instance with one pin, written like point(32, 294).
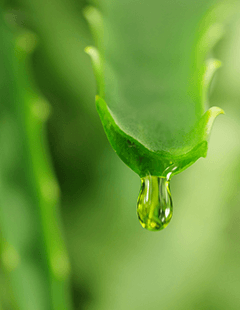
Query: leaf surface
point(153, 68)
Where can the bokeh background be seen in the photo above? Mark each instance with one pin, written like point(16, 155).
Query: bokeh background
point(113, 262)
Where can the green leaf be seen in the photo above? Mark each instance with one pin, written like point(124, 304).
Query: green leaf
point(33, 252)
point(153, 78)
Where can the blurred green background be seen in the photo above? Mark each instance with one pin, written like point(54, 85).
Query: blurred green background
point(113, 262)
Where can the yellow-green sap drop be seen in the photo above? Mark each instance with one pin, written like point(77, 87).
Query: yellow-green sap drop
point(154, 206)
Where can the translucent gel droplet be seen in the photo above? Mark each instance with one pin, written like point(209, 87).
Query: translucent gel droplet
point(154, 206)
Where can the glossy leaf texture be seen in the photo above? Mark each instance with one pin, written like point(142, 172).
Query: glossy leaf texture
point(153, 67)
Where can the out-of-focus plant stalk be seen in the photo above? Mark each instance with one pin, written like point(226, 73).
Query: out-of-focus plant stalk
point(33, 253)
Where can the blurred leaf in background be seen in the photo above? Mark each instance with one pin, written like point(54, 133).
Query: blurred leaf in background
point(33, 254)
point(115, 264)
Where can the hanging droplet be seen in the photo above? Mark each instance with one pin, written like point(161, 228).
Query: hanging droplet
point(154, 206)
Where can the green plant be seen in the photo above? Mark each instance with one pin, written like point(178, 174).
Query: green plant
point(33, 253)
point(153, 69)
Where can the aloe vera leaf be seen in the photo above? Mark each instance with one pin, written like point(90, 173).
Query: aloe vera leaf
point(153, 71)
point(33, 252)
